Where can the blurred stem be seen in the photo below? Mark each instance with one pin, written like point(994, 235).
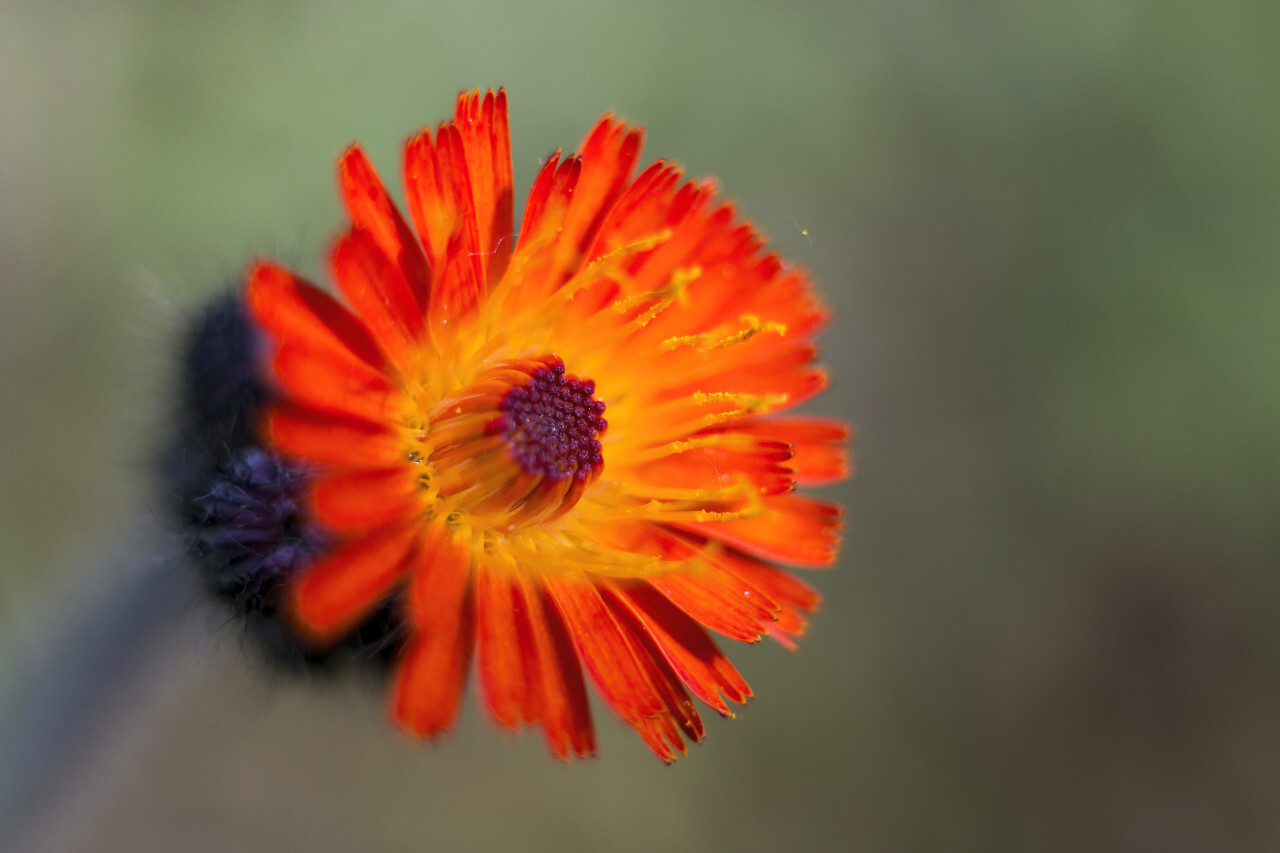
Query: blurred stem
point(93, 673)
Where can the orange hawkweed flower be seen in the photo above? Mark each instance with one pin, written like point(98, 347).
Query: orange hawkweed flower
point(564, 450)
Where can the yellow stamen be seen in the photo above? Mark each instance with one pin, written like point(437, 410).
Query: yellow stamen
point(708, 341)
point(675, 291)
point(747, 404)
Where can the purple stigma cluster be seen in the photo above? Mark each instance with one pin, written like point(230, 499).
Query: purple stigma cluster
point(552, 424)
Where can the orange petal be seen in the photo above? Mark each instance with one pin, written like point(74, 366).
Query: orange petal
point(794, 596)
point(523, 612)
point(690, 651)
point(324, 381)
point(722, 603)
point(664, 733)
point(549, 198)
point(820, 444)
point(541, 230)
point(295, 311)
point(723, 391)
point(503, 669)
point(791, 528)
point(560, 696)
point(608, 157)
point(440, 606)
point(691, 230)
point(379, 292)
point(764, 464)
point(822, 449)
point(372, 210)
point(330, 439)
point(776, 367)
point(438, 189)
point(787, 297)
point(342, 587)
point(486, 143)
point(789, 628)
point(352, 501)
point(639, 212)
point(677, 230)
point(723, 275)
point(604, 649)
point(735, 282)
point(727, 261)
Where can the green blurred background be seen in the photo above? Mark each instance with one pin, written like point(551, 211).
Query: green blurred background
point(1049, 233)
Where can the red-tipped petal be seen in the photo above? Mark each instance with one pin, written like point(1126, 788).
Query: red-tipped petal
point(764, 465)
point(690, 230)
point(486, 143)
point(711, 597)
point(790, 528)
point(604, 649)
point(542, 229)
point(664, 732)
point(548, 196)
point(639, 212)
point(295, 310)
point(560, 693)
point(820, 445)
point(378, 290)
point(773, 368)
point(372, 210)
point(794, 596)
point(438, 189)
point(685, 644)
point(608, 157)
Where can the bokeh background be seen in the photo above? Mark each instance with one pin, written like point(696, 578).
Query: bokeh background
point(1049, 234)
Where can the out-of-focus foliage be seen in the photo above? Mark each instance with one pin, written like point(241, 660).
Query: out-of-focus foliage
point(1049, 232)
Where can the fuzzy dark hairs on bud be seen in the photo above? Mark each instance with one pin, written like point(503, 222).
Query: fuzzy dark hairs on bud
point(237, 501)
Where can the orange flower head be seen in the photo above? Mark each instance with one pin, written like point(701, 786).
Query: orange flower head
point(562, 451)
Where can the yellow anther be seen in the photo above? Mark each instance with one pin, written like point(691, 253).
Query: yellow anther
point(708, 341)
point(675, 291)
point(706, 515)
point(745, 404)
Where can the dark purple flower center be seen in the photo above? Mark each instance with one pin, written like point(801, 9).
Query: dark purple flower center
point(553, 423)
